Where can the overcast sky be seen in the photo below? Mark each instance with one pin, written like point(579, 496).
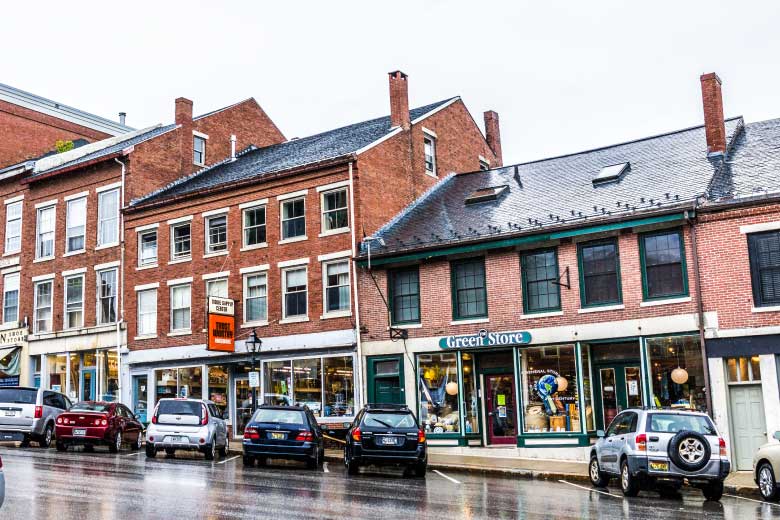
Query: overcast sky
point(564, 76)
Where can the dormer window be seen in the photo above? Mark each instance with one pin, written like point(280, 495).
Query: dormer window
point(611, 173)
point(486, 194)
point(199, 150)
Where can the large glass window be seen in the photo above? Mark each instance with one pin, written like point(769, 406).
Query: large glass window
point(307, 384)
point(107, 290)
point(254, 226)
point(13, 227)
point(58, 370)
point(405, 296)
point(147, 312)
point(338, 387)
point(44, 238)
point(278, 382)
point(216, 234)
point(42, 311)
point(438, 391)
point(147, 247)
point(599, 273)
point(76, 224)
point(336, 286)
point(764, 249)
point(179, 382)
point(541, 291)
point(549, 376)
point(744, 369)
point(108, 217)
point(470, 395)
point(676, 372)
point(11, 298)
point(218, 388)
point(293, 218)
point(663, 265)
point(109, 374)
point(181, 246)
point(469, 293)
point(295, 292)
point(74, 302)
point(334, 210)
point(587, 388)
point(180, 307)
point(255, 297)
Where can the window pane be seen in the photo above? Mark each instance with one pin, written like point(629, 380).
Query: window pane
point(550, 384)
point(10, 298)
point(470, 396)
point(147, 312)
point(668, 354)
point(255, 298)
point(108, 217)
point(74, 306)
point(217, 234)
point(45, 236)
point(293, 219)
point(335, 214)
point(107, 296)
point(337, 287)
point(406, 296)
point(438, 375)
point(180, 307)
point(217, 288)
point(43, 316)
point(278, 383)
point(469, 284)
point(540, 271)
point(76, 224)
point(765, 266)
point(181, 240)
point(254, 226)
point(600, 274)
point(295, 293)
point(663, 265)
point(339, 386)
point(13, 227)
point(147, 248)
point(307, 384)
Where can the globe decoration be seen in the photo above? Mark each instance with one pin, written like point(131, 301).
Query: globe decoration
point(547, 385)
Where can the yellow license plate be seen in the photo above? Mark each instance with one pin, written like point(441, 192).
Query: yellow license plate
point(278, 435)
point(659, 466)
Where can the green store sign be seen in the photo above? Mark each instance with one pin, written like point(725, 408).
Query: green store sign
point(484, 338)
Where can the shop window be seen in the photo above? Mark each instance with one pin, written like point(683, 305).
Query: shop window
point(470, 395)
point(469, 293)
point(438, 392)
point(339, 386)
point(75, 365)
point(179, 382)
point(587, 389)
point(108, 217)
point(181, 307)
point(405, 296)
point(541, 291)
point(294, 218)
point(336, 286)
point(147, 312)
point(599, 273)
point(109, 374)
point(75, 224)
point(42, 311)
point(764, 249)
point(44, 237)
point(295, 293)
point(278, 383)
point(254, 226)
point(74, 302)
point(550, 394)
point(218, 388)
point(744, 369)
point(11, 298)
point(181, 245)
point(13, 227)
point(147, 248)
point(255, 297)
point(57, 368)
point(663, 265)
point(334, 210)
point(307, 384)
point(676, 372)
point(216, 234)
point(107, 289)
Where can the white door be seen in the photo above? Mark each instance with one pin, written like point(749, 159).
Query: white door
point(748, 423)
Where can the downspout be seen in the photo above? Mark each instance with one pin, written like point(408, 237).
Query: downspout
point(700, 309)
point(359, 370)
point(121, 287)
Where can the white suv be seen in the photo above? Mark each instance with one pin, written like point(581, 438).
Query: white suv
point(187, 424)
point(656, 448)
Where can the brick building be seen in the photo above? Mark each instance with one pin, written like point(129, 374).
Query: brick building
point(274, 229)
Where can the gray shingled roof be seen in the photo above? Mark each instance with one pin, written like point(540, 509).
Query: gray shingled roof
point(665, 170)
point(256, 162)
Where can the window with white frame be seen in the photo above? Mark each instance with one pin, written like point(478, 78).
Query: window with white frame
point(181, 306)
point(217, 287)
point(429, 144)
point(107, 291)
point(42, 304)
point(199, 150)
point(11, 298)
point(295, 292)
point(108, 217)
point(147, 312)
point(336, 286)
point(216, 234)
point(44, 237)
point(255, 297)
point(75, 224)
point(335, 215)
point(293, 218)
point(13, 227)
point(254, 226)
point(483, 164)
point(74, 302)
point(147, 247)
point(181, 245)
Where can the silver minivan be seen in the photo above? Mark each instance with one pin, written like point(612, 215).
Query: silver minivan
point(28, 413)
point(187, 424)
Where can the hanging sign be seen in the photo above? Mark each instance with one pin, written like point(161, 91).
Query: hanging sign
point(222, 332)
point(486, 339)
point(223, 306)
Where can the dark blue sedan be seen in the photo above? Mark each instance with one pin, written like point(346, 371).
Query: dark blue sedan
point(283, 432)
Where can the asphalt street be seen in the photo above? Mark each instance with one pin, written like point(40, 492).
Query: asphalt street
point(44, 484)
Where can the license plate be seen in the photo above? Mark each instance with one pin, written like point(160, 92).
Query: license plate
point(388, 441)
point(9, 413)
point(81, 432)
point(659, 466)
point(10, 436)
point(177, 440)
point(279, 436)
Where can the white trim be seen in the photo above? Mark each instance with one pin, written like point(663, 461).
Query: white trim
point(253, 324)
point(14, 199)
point(148, 266)
point(293, 239)
point(179, 220)
point(397, 130)
point(108, 187)
point(291, 263)
point(252, 204)
point(43, 277)
point(200, 134)
point(261, 245)
point(293, 195)
point(431, 174)
point(11, 270)
point(336, 314)
point(749, 331)
point(773, 308)
point(338, 231)
point(756, 228)
point(76, 196)
point(218, 253)
point(333, 186)
point(148, 336)
point(147, 227)
point(215, 276)
point(181, 332)
point(106, 246)
point(604, 308)
point(333, 256)
point(295, 319)
point(107, 265)
point(77, 252)
point(482, 159)
point(72, 272)
point(665, 301)
point(437, 109)
point(562, 442)
point(46, 204)
point(541, 315)
point(407, 326)
point(213, 212)
point(254, 269)
point(430, 132)
point(180, 260)
point(179, 281)
point(470, 322)
point(144, 287)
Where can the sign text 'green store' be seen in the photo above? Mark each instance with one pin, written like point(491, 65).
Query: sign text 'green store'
point(486, 339)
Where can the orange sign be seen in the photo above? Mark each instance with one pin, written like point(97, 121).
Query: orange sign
point(222, 333)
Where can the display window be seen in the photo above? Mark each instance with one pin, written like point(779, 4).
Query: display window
point(549, 376)
point(109, 374)
point(339, 387)
point(470, 395)
point(57, 370)
point(676, 372)
point(218, 387)
point(438, 392)
point(179, 382)
point(587, 389)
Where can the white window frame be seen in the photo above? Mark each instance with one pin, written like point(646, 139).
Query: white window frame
point(140, 314)
point(207, 226)
point(427, 136)
point(296, 317)
point(323, 212)
point(150, 262)
point(38, 241)
point(296, 238)
point(68, 227)
point(244, 243)
point(174, 256)
point(204, 140)
point(98, 317)
point(244, 293)
point(8, 235)
point(50, 327)
point(343, 312)
point(105, 220)
point(170, 292)
point(65, 319)
point(6, 279)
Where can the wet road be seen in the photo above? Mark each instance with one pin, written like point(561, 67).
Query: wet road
point(44, 484)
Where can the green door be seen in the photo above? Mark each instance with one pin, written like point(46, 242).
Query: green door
point(616, 386)
point(385, 380)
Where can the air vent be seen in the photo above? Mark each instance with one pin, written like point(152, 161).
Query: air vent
point(486, 194)
point(611, 173)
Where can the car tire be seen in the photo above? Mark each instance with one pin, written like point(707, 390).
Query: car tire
point(151, 451)
point(690, 451)
point(314, 462)
point(629, 485)
point(223, 451)
point(61, 446)
point(597, 477)
point(713, 490)
point(46, 437)
point(420, 469)
point(767, 485)
point(210, 450)
point(138, 442)
point(353, 467)
point(248, 461)
point(25, 442)
point(116, 444)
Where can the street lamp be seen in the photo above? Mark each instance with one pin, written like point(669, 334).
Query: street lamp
point(253, 344)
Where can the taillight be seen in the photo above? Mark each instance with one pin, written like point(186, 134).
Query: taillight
point(38, 412)
point(205, 419)
point(356, 434)
point(722, 443)
point(59, 420)
point(641, 442)
point(103, 422)
point(250, 432)
point(154, 419)
point(420, 436)
point(97, 422)
point(304, 436)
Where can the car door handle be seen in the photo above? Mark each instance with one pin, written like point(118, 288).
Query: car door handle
point(654, 439)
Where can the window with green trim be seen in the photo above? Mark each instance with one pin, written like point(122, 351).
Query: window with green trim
point(663, 265)
point(469, 293)
point(541, 292)
point(405, 296)
point(599, 273)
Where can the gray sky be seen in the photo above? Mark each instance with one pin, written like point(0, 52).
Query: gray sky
point(564, 76)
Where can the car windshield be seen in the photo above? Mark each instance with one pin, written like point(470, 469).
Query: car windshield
point(18, 395)
point(179, 408)
point(673, 423)
point(89, 407)
point(272, 415)
point(389, 420)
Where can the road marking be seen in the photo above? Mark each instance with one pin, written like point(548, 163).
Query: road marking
point(589, 489)
point(752, 500)
point(445, 476)
point(134, 454)
point(228, 460)
point(325, 467)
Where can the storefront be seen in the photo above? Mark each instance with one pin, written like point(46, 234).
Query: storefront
point(89, 375)
point(13, 354)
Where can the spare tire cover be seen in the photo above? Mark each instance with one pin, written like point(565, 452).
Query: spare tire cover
point(689, 450)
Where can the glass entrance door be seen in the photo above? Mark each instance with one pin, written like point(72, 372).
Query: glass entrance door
point(620, 387)
point(243, 406)
point(501, 409)
point(88, 384)
point(140, 395)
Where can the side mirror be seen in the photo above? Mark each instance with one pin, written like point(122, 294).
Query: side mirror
point(600, 434)
point(777, 435)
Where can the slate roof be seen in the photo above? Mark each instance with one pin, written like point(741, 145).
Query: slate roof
point(666, 171)
point(257, 162)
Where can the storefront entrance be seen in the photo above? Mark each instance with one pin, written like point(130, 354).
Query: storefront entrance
point(619, 386)
point(88, 386)
point(501, 409)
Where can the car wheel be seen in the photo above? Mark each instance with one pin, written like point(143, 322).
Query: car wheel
point(628, 483)
point(353, 467)
point(597, 477)
point(314, 462)
point(713, 490)
point(138, 442)
point(248, 461)
point(223, 451)
point(211, 450)
point(115, 446)
point(151, 451)
point(767, 485)
point(45, 440)
point(25, 442)
point(420, 469)
point(689, 450)
point(61, 446)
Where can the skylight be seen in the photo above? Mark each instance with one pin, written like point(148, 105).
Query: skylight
point(611, 173)
point(486, 194)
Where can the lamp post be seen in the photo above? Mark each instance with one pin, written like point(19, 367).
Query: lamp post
point(253, 344)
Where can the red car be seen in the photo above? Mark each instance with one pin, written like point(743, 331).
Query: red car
point(90, 423)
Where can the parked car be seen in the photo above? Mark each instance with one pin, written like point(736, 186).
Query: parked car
point(766, 469)
point(283, 432)
point(92, 423)
point(28, 413)
point(187, 424)
point(386, 435)
point(659, 448)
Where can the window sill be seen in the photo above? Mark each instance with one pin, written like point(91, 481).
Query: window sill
point(541, 315)
point(339, 314)
point(253, 324)
point(212, 255)
point(406, 326)
point(293, 239)
point(603, 308)
point(10, 325)
point(431, 174)
point(143, 267)
point(470, 322)
point(74, 253)
point(47, 259)
point(331, 232)
point(147, 336)
point(667, 301)
point(297, 319)
point(106, 246)
point(12, 253)
point(180, 260)
point(201, 165)
point(772, 308)
point(254, 246)
point(180, 333)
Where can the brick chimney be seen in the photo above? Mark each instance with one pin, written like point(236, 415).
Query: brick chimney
point(184, 119)
point(714, 125)
point(493, 136)
point(399, 100)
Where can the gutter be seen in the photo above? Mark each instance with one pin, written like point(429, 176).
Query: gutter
point(30, 180)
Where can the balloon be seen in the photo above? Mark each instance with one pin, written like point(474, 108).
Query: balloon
point(452, 388)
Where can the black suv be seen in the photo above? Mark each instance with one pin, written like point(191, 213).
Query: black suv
point(283, 432)
point(385, 434)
